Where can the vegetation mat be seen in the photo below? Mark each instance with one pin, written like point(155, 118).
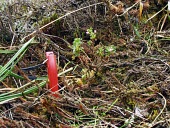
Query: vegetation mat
point(112, 56)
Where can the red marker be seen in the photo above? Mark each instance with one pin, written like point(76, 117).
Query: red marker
point(52, 72)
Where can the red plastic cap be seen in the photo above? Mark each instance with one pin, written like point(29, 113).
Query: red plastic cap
point(52, 72)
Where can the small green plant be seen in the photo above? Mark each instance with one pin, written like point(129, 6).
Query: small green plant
point(100, 51)
point(77, 43)
point(106, 50)
point(92, 34)
point(77, 48)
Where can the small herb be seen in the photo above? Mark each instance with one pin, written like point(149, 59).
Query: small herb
point(77, 47)
point(106, 50)
point(91, 33)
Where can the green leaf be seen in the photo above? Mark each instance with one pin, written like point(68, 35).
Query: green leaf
point(14, 59)
point(8, 51)
point(7, 97)
point(137, 32)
